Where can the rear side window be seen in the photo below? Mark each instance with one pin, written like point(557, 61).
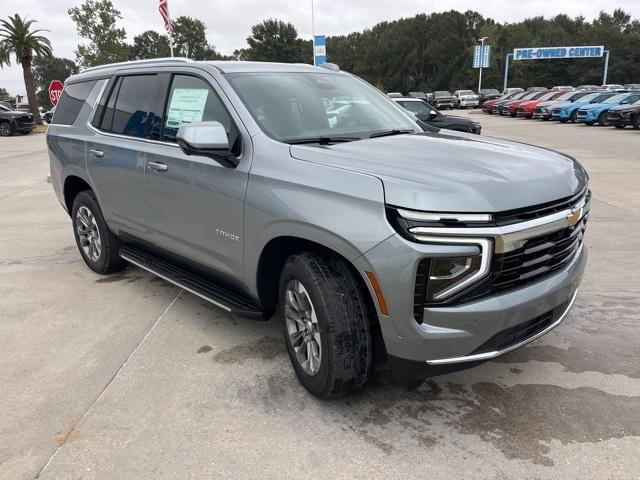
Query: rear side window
point(73, 97)
point(129, 109)
point(133, 115)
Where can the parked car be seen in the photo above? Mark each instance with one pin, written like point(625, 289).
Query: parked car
point(537, 89)
point(394, 95)
point(443, 99)
point(491, 106)
point(465, 98)
point(14, 121)
point(48, 116)
point(624, 115)
point(431, 116)
point(612, 86)
point(369, 238)
point(488, 94)
point(562, 88)
point(544, 109)
point(597, 112)
point(510, 90)
point(511, 107)
point(526, 108)
point(632, 86)
point(420, 95)
point(588, 87)
point(569, 111)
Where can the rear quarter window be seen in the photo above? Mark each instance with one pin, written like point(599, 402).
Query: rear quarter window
point(73, 97)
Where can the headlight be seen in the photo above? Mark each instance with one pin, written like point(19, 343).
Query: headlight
point(450, 275)
point(447, 275)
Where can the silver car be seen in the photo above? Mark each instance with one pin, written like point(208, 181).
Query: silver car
point(465, 98)
point(306, 194)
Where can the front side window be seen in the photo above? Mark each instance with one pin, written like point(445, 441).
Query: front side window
point(419, 108)
point(192, 100)
point(292, 106)
point(71, 101)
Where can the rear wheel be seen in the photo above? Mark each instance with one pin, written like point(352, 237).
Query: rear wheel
point(636, 122)
point(99, 247)
point(5, 129)
point(326, 324)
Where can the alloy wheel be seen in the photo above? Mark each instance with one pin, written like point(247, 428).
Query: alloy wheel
point(302, 327)
point(88, 234)
point(5, 129)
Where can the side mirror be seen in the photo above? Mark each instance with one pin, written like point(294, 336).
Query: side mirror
point(207, 139)
point(433, 115)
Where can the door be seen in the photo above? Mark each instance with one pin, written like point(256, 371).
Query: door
point(195, 205)
point(122, 125)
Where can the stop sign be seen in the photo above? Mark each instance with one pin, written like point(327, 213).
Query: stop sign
point(55, 90)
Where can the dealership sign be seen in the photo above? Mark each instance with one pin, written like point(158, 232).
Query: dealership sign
point(319, 50)
point(558, 52)
point(481, 56)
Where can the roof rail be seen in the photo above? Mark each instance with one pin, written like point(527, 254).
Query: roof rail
point(135, 62)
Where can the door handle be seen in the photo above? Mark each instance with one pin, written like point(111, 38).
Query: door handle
point(96, 153)
point(157, 166)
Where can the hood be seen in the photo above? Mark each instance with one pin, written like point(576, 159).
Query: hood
point(454, 171)
point(626, 108)
point(596, 106)
point(555, 103)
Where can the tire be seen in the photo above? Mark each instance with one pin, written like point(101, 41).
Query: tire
point(99, 247)
point(619, 126)
point(602, 119)
point(574, 116)
point(636, 122)
point(5, 129)
point(327, 319)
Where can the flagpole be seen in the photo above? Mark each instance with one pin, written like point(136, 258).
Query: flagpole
point(171, 42)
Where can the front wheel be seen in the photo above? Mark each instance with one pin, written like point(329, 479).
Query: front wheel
point(326, 324)
point(636, 122)
point(5, 129)
point(574, 116)
point(99, 247)
point(602, 119)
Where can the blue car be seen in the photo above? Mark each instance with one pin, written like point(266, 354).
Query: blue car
point(569, 111)
point(597, 112)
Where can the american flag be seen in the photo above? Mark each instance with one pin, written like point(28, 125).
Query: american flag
point(163, 8)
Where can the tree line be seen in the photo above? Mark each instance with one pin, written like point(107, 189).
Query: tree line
point(425, 52)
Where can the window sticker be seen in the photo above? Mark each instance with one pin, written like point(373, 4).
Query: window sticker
point(187, 106)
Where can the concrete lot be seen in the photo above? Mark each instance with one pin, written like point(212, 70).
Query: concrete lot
point(126, 377)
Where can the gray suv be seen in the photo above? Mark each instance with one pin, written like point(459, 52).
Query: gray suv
point(304, 192)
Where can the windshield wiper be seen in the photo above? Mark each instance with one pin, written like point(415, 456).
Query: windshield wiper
point(395, 131)
point(321, 140)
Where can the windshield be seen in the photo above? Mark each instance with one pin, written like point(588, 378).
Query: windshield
point(465, 92)
point(549, 96)
point(616, 98)
point(294, 106)
point(419, 108)
point(490, 91)
point(4, 109)
point(441, 93)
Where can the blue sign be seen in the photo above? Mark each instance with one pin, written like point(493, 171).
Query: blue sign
point(558, 52)
point(481, 56)
point(319, 50)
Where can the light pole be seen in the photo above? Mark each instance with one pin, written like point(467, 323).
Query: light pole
point(313, 34)
point(481, 40)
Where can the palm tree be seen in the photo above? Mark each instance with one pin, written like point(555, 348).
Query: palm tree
point(17, 38)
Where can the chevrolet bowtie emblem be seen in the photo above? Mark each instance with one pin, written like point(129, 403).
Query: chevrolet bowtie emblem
point(575, 216)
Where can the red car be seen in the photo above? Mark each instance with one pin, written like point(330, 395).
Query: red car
point(511, 108)
point(487, 106)
point(526, 109)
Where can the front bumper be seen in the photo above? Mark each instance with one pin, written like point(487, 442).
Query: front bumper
point(588, 117)
point(542, 115)
point(469, 103)
point(445, 103)
point(524, 113)
point(461, 334)
point(620, 120)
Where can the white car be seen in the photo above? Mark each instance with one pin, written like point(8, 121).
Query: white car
point(465, 98)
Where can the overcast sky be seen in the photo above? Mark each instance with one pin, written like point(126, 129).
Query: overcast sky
point(229, 21)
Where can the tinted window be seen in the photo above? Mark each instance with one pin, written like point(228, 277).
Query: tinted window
point(418, 108)
point(191, 100)
point(133, 115)
point(107, 119)
point(71, 101)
